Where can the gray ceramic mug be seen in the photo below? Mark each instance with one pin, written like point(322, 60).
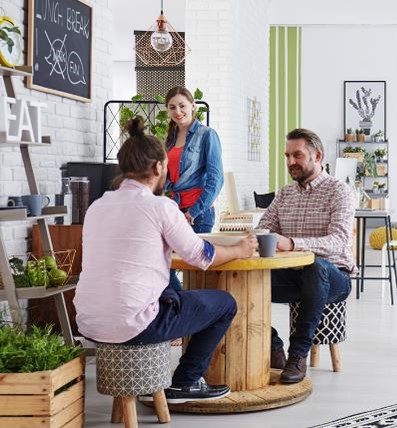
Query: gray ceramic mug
point(35, 203)
point(267, 244)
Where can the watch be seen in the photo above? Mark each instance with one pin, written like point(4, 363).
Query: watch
point(7, 58)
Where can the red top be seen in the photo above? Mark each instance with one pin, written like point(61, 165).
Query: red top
point(188, 197)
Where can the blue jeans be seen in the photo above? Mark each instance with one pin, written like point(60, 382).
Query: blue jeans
point(205, 315)
point(315, 286)
point(203, 223)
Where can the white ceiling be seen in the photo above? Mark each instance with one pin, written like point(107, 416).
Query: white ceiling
point(132, 15)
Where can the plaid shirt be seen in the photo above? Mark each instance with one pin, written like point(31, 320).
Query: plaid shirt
point(317, 218)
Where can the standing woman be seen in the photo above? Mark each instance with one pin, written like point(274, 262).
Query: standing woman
point(195, 171)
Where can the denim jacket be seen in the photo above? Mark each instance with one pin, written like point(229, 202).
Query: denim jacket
point(200, 167)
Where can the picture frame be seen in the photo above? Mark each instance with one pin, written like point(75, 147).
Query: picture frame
point(365, 106)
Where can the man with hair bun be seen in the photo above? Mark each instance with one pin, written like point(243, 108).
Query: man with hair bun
point(123, 294)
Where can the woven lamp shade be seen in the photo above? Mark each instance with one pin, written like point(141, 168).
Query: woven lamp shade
point(378, 237)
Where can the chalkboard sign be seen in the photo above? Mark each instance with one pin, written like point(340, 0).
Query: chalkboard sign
point(60, 35)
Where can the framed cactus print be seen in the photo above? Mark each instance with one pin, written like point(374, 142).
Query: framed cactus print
point(365, 107)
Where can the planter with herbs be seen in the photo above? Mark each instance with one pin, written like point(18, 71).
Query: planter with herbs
point(41, 380)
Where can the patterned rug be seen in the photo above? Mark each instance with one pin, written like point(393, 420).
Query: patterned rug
point(386, 417)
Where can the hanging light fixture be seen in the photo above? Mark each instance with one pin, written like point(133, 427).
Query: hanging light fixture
point(161, 45)
point(161, 39)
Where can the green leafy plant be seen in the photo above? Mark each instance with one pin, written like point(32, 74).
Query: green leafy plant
point(369, 164)
point(379, 134)
point(351, 149)
point(4, 35)
point(34, 350)
point(380, 153)
point(349, 131)
point(161, 121)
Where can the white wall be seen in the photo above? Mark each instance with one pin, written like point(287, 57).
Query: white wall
point(229, 62)
point(75, 128)
point(336, 46)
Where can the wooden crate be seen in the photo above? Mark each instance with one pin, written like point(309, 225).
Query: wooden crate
point(31, 400)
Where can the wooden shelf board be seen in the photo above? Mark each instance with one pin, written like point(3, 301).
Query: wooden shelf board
point(19, 70)
point(21, 214)
point(45, 141)
point(38, 292)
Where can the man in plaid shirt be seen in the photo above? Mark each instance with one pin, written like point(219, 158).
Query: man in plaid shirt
point(315, 213)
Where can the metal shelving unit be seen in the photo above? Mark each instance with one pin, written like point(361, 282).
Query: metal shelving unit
point(10, 292)
point(369, 146)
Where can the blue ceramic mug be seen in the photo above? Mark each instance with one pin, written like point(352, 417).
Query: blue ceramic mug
point(35, 203)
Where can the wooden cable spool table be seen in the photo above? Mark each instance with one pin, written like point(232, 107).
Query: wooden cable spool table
point(242, 358)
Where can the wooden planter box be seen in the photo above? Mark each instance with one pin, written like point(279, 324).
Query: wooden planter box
point(359, 156)
point(31, 400)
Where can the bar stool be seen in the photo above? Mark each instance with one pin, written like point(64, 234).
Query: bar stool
point(125, 371)
point(361, 218)
point(392, 244)
point(330, 331)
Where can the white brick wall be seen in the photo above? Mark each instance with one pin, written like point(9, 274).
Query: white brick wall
point(229, 63)
point(75, 128)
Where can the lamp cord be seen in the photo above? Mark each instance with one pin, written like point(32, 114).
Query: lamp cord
point(162, 8)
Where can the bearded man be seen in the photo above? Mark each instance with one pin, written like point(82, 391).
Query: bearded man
point(315, 213)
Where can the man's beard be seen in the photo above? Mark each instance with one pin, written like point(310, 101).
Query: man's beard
point(304, 175)
point(159, 190)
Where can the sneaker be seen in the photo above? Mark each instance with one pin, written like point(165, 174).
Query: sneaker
point(199, 391)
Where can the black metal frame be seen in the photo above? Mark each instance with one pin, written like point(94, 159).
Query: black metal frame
point(361, 218)
point(147, 109)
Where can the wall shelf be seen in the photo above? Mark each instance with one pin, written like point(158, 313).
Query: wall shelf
point(19, 70)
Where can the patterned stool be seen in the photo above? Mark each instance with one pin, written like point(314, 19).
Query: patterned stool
point(127, 371)
point(330, 331)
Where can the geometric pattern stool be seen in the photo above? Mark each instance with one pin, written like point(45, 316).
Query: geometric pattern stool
point(125, 371)
point(330, 331)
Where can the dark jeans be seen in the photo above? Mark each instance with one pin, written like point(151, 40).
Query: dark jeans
point(202, 224)
point(205, 315)
point(315, 286)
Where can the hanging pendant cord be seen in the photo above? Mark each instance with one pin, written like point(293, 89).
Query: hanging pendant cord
point(162, 8)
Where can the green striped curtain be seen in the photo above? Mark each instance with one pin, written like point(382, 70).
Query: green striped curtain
point(284, 97)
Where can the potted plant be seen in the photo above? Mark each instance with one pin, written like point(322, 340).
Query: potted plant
point(349, 135)
point(361, 136)
point(354, 152)
point(41, 378)
point(380, 154)
point(379, 136)
point(159, 126)
point(381, 187)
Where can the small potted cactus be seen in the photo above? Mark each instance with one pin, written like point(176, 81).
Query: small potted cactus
point(349, 135)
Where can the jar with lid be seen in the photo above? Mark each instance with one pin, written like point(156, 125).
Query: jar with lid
point(80, 187)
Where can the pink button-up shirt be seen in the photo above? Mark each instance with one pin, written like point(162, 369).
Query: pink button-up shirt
point(128, 236)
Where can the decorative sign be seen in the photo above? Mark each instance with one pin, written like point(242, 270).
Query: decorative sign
point(254, 129)
point(20, 120)
point(60, 38)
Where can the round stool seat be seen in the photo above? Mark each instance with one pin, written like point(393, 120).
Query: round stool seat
point(332, 327)
point(124, 370)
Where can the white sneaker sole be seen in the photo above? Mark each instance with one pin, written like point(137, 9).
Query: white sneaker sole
point(186, 400)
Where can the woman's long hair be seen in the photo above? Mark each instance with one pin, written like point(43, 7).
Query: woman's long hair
point(178, 90)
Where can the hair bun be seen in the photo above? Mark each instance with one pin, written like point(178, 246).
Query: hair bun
point(136, 127)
